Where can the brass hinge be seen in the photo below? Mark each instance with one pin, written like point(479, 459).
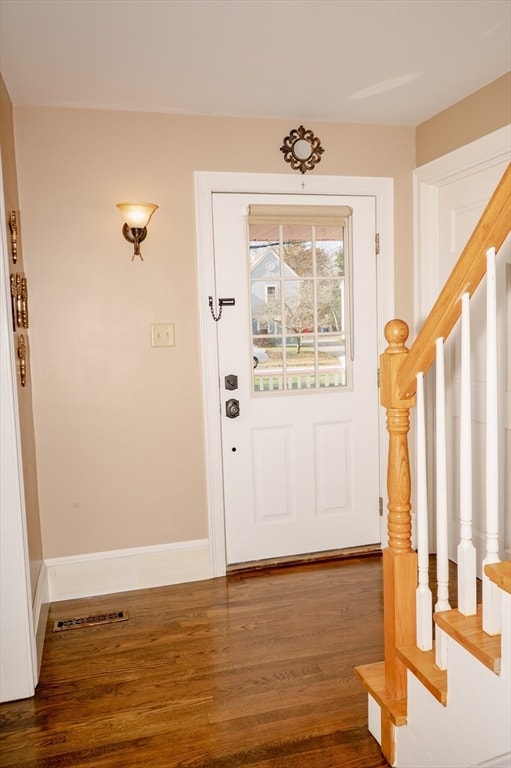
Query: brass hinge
point(377, 244)
point(380, 506)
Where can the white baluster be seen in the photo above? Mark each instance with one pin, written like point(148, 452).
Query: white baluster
point(424, 600)
point(491, 594)
point(442, 555)
point(466, 550)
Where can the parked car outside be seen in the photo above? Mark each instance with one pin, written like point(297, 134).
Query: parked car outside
point(259, 356)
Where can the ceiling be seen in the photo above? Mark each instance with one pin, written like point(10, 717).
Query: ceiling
point(393, 62)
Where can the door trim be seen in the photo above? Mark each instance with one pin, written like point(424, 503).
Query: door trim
point(208, 183)
point(490, 150)
point(18, 671)
point(486, 152)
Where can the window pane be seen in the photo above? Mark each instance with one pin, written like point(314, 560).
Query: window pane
point(264, 251)
point(299, 306)
point(266, 308)
point(297, 250)
point(332, 362)
point(330, 253)
point(330, 306)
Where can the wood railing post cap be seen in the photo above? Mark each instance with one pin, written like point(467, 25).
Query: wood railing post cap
point(396, 333)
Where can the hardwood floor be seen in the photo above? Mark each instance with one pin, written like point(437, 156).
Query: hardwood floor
point(249, 670)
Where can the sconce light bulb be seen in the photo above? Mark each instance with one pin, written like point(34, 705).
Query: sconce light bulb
point(136, 217)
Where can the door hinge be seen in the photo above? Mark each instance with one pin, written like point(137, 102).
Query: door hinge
point(380, 506)
point(377, 244)
point(378, 378)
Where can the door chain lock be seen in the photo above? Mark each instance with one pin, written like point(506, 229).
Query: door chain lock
point(224, 302)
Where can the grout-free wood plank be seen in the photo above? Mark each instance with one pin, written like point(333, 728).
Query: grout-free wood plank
point(372, 677)
point(500, 574)
point(468, 632)
point(254, 669)
point(422, 664)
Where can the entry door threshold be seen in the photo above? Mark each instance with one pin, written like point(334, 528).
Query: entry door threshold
point(305, 559)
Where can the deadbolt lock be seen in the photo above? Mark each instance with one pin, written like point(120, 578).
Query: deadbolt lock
point(231, 381)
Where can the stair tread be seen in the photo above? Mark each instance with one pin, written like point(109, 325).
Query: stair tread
point(372, 677)
point(423, 666)
point(500, 574)
point(468, 632)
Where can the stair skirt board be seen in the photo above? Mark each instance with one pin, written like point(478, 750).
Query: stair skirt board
point(483, 731)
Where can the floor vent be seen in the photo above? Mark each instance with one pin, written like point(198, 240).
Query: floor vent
point(90, 621)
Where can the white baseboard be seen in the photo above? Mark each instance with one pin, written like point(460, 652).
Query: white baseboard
point(40, 608)
point(123, 570)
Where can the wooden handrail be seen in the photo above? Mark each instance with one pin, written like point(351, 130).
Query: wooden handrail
point(491, 230)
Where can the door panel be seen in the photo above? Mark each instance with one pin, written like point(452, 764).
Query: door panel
point(300, 467)
point(333, 451)
point(273, 474)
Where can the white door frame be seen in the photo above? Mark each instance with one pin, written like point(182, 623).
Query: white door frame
point(486, 152)
point(207, 183)
point(491, 150)
point(18, 668)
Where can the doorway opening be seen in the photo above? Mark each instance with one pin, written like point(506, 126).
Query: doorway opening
point(209, 186)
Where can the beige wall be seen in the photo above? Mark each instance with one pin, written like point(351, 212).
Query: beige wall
point(119, 424)
point(24, 393)
point(479, 114)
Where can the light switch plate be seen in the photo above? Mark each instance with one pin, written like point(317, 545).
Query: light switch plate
point(162, 335)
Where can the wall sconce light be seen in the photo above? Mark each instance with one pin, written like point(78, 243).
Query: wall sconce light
point(136, 218)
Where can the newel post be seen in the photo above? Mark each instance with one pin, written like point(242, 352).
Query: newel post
point(399, 560)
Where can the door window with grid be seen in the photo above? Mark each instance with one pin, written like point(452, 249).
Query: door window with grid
point(299, 266)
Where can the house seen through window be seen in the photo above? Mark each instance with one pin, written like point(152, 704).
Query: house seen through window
point(299, 271)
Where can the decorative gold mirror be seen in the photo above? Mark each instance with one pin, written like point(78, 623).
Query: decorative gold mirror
point(302, 149)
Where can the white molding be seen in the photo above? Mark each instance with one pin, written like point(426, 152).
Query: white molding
point(482, 153)
point(209, 182)
point(40, 609)
point(18, 665)
point(123, 570)
point(486, 152)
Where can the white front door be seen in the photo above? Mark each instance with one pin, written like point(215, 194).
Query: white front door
point(300, 444)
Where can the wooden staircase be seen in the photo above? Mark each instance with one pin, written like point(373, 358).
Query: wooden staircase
point(467, 633)
point(423, 713)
